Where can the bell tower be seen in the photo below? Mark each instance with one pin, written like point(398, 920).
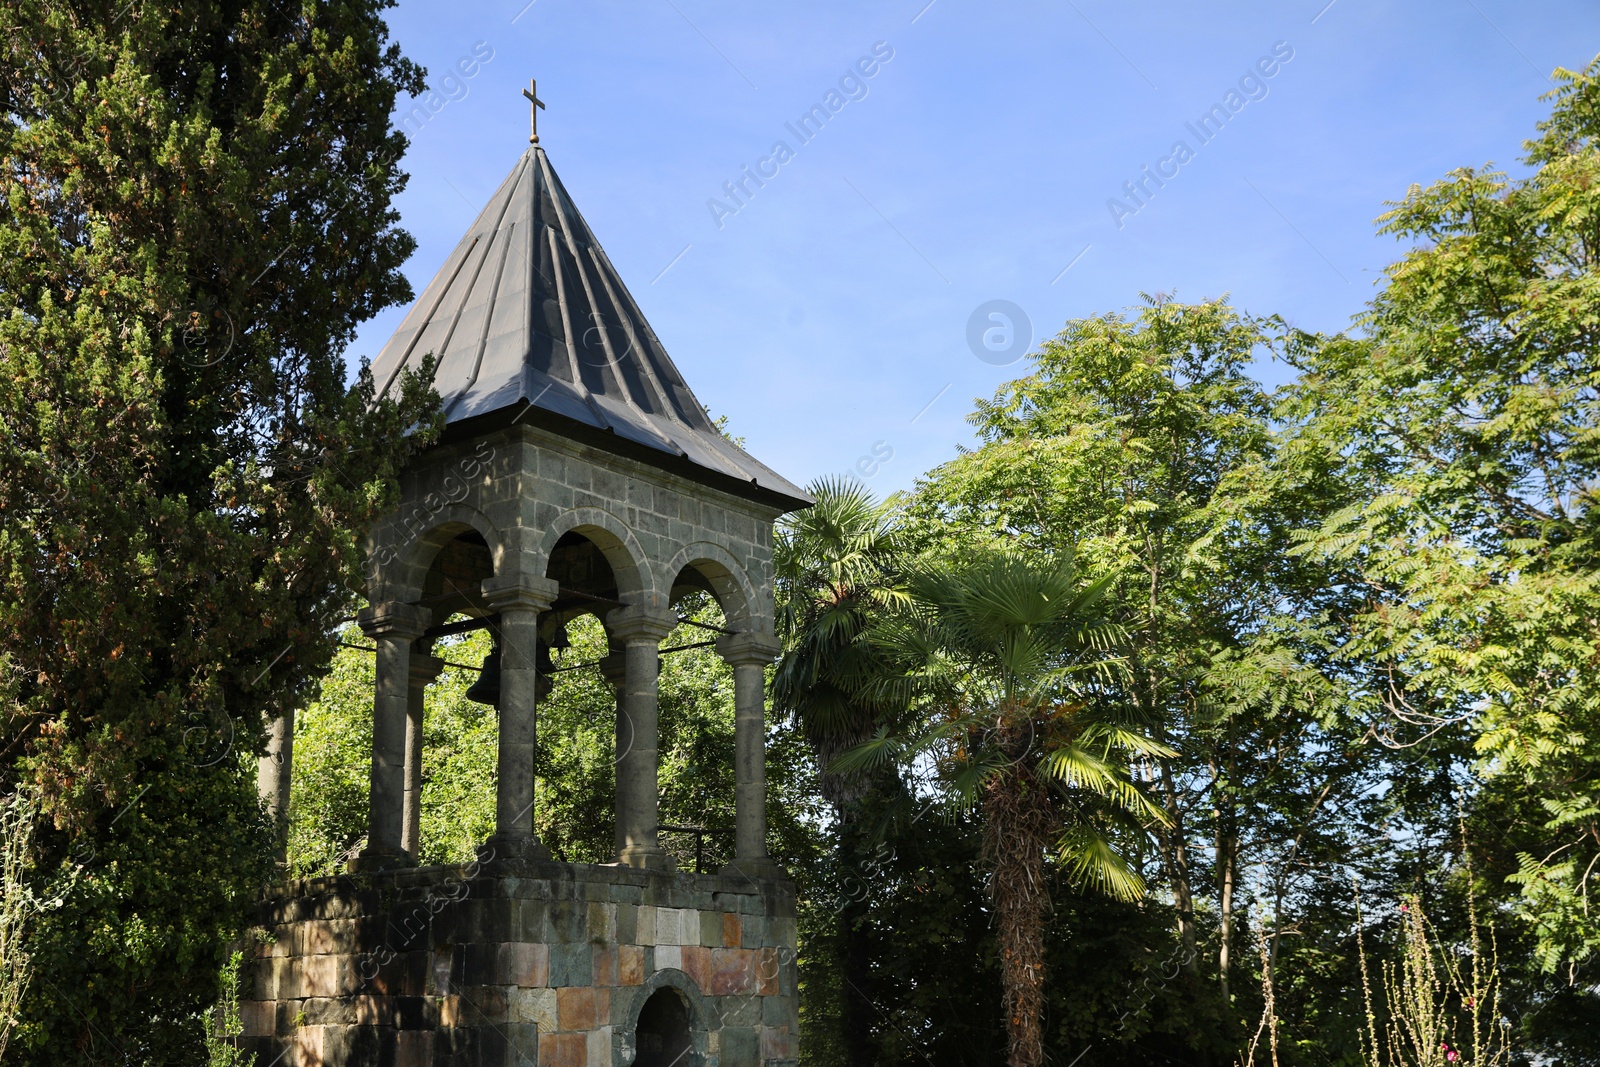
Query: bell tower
point(577, 475)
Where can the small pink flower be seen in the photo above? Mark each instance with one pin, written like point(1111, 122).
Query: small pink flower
point(1452, 1055)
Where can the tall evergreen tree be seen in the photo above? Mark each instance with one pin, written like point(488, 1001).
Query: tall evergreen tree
point(195, 214)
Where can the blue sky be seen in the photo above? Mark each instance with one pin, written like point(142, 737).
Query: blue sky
point(828, 314)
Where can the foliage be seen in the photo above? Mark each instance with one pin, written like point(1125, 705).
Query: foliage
point(1438, 1008)
point(1472, 411)
point(17, 905)
point(194, 216)
point(223, 1026)
point(576, 771)
point(1009, 653)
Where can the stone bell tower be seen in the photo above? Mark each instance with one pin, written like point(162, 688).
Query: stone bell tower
point(577, 475)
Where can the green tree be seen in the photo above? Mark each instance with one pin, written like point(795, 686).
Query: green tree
point(1142, 444)
point(1473, 408)
point(835, 564)
point(1010, 655)
point(194, 216)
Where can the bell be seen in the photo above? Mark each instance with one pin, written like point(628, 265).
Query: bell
point(486, 690)
point(559, 639)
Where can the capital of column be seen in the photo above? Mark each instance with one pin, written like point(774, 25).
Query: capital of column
point(392, 618)
point(638, 623)
point(513, 591)
point(748, 647)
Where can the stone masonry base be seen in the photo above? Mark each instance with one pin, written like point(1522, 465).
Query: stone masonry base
point(502, 965)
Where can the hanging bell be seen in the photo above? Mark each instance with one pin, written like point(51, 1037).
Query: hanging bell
point(486, 690)
point(559, 640)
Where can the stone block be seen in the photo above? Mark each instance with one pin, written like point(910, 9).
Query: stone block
point(537, 1006)
point(571, 964)
point(733, 972)
point(404, 975)
point(741, 1045)
point(531, 921)
point(668, 956)
point(308, 1046)
point(568, 920)
point(602, 922)
point(710, 929)
point(263, 975)
point(752, 931)
point(508, 1045)
point(627, 924)
point(599, 1048)
point(324, 936)
point(605, 965)
point(776, 1043)
point(697, 965)
point(741, 1011)
point(667, 927)
point(413, 1048)
point(325, 976)
point(486, 1005)
point(258, 1018)
point(647, 925)
point(767, 972)
point(731, 930)
point(630, 965)
point(521, 964)
point(478, 964)
point(563, 1050)
point(439, 974)
point(575, 1008)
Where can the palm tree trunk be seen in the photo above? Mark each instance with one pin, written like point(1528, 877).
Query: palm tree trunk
point(1020, 825)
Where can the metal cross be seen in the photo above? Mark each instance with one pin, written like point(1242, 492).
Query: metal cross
point(534, 104)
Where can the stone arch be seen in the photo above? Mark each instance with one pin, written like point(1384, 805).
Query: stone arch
point(699, 1011)
point(729, 582)
point(629, 564)
point(402, 564)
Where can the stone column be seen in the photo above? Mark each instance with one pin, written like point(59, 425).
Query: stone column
point(613, 667)
point(394, 626)
point(748, 653)
point(518, 601)
point(424, 669)
point(274, 772)
point(640, 630)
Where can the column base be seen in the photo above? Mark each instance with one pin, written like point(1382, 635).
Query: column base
point(380, 858)
point(504, 846)
point(647, 858)
point(755, 867)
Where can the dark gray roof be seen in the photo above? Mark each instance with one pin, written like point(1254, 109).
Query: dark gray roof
point(528, 310)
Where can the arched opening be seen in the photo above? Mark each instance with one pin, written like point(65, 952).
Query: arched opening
point(575, 777)
point(697, 729)
point(662, 1036)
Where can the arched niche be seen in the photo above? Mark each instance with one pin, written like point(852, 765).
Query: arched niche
point(664, 1034)
point(633, 580)
point(710, 568)
point(403, 561)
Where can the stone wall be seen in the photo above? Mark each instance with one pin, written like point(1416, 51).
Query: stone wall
point(522, 488)
point(546, 964)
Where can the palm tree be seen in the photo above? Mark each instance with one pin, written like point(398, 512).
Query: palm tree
point(1008, 655)
point(835, 564)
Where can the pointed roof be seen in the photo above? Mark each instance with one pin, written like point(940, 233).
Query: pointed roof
point(529, 318)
